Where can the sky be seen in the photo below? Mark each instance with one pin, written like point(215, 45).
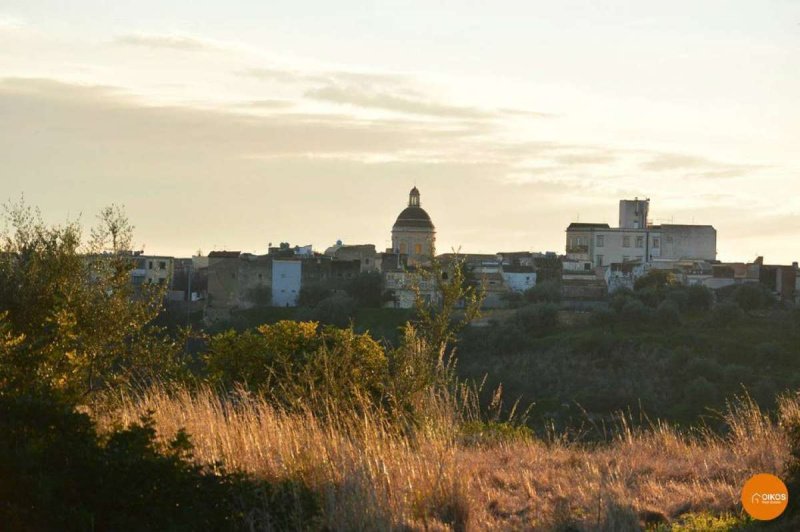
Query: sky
point(232, 125)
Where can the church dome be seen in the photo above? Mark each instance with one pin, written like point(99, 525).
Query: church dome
point(413, 216)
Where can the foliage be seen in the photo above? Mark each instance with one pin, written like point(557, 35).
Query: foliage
point(82, 325)
point(753, 296)
point(437, 320)
point(295, 361)
point(727, 314)
point(367, 290)
point(548, 291)
point(311, 295)
point(337, 310)
point(57, 473)
point(476, 433)
point(659, 280)
point(261, 295)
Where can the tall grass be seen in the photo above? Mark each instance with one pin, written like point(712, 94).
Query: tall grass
point(368, 476)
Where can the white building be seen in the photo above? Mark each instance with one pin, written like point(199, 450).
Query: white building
point(638, 240)
point(518, 278)
point(286, 279)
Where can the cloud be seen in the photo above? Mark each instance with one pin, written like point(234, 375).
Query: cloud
point(693, 166)
point(395, 103)
point(324, 77)
point(266, 104)
point(173, 41)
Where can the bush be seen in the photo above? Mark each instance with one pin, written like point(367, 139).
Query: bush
point(634, 311)
point(753, 296)
point(727, 314)
point(668, 314)
point(367, 290)
point(699, 298)
point(56, 473)
point(537, 319)
point(292, 361)
point(602, 318)
point(311, 295)
point(619, 298)
point(544, 292)
point(337, 310)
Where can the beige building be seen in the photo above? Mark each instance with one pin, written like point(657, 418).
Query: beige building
point(152, 269)
point(364, 253)
point(638, 240)
point(413, 234)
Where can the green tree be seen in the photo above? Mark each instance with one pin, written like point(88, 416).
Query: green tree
point(301, 364)
point(311, 295)
point(367, 290)
point(455, 303)
point(82, 326)
point(548, 291)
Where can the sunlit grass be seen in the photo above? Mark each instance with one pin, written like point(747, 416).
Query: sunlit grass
point(368, 475)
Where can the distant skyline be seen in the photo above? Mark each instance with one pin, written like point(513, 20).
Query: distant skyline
point(229, 125)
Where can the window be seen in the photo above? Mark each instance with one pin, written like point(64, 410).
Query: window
point(656, 242)
point(162, 265)
point(625, 258)
point(626, 241)
point(403, 248)
point(599, 260)
point(418, 249)
point(366, 261)
point(587, 266)
point(444, 275)
point(601, 241)
point(259, 276)
point(150, 265)
point(639, 241)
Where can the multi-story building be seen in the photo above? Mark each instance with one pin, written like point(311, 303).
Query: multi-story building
point(637, 240)
point(152, 269)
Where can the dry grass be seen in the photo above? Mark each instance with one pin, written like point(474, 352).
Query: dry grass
point(369, 477)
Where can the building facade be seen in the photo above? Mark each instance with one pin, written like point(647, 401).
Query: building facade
point(413, 233)
point(637, 240)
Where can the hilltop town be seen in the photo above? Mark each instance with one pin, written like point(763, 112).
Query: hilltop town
point(597, 260)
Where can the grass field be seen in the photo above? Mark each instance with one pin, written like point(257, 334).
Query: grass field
point(366, 476)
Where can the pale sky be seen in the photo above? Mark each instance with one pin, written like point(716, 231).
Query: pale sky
point(229, 125)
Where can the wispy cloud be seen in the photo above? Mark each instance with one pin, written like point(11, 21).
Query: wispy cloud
point(171, 41)
point(393, 102)
point(324, 77)
point(697, 167)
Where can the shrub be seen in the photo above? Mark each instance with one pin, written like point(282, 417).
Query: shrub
point(337, 310)
point(668, 314)
point(290, 361)
point(367, 290)
point(56, 473)
point(537, 319)
point(752, 296)
point(602, 318)
point(727, 314)
point(634, 311)
point(699, 298)
point(655, 279)
point(544, 292)
point(619, 298)
point(311, 295)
